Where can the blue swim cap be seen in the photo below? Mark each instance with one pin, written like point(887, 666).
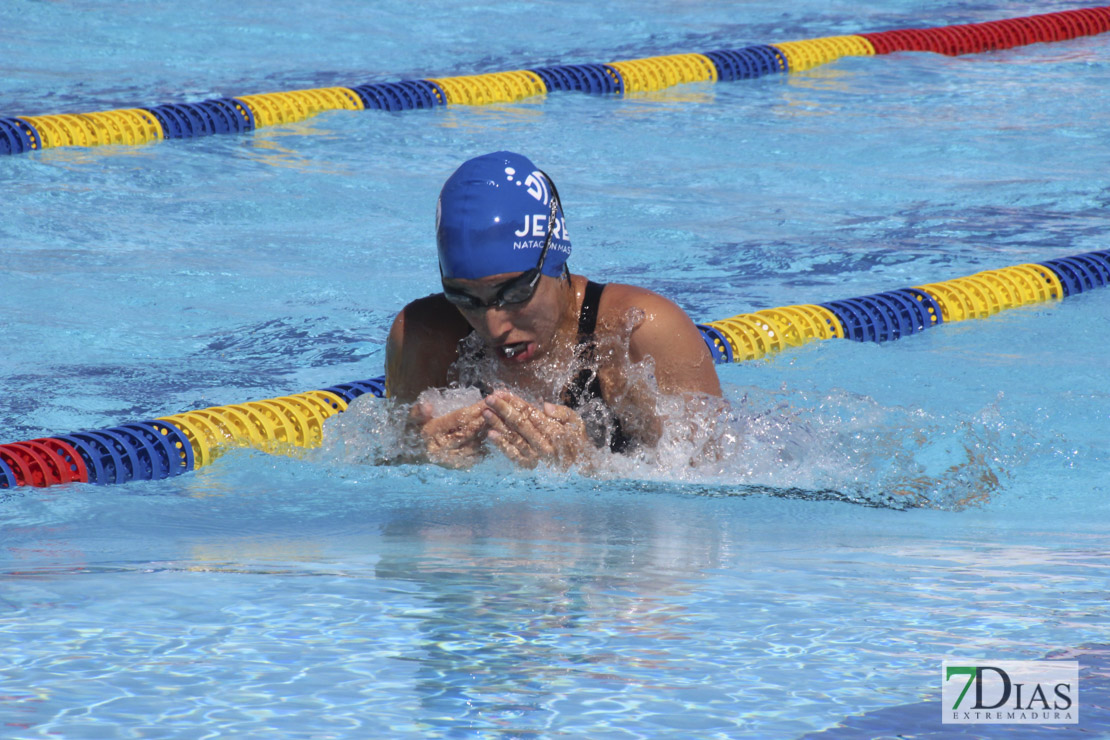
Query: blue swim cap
point(492, 218)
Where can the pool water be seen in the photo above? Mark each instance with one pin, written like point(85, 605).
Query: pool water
point(889, 507)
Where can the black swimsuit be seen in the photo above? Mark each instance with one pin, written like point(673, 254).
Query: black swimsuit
point(586, 386)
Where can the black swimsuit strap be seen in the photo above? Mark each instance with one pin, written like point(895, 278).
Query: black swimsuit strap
point(587, 385)
point(587, 317)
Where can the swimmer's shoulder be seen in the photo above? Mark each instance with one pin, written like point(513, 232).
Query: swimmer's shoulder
point(666, 334)
point(422, 344)
point(660, 314)
point(431, 316)
point(619, 297)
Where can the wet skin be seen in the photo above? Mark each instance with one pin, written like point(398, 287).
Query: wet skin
point(529, 340)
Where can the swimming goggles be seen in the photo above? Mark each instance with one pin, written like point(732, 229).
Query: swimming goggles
point(513, 291)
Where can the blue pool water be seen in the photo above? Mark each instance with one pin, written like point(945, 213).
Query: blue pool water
point(892, 505)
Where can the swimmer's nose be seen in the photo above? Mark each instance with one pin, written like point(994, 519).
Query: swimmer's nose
point(497, 322)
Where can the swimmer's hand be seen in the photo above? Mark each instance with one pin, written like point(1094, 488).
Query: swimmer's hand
point(529, 434)
point(453, 440)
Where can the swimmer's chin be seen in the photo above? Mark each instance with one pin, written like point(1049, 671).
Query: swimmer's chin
point(517, 353)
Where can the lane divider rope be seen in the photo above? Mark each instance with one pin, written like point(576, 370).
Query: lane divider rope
point(134, 126)
point(172, 445)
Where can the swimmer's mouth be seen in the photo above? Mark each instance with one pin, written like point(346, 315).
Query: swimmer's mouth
point(517, 351)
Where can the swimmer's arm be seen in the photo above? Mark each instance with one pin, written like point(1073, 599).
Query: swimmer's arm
point(422, 345)
point(683, 364)
point(680, 360)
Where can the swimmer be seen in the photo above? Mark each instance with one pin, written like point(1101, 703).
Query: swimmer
point(565, 364)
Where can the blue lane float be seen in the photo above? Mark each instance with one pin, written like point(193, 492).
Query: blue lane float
point(1082, 272)
point(593, 79)
point(7, 477)
point(350, 391)
point(883, 317)
point(400, 96)
point(16, 136)
point(748, 63)
point(718, 345)
point(206, 118)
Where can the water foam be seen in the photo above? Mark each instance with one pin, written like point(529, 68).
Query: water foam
point(830, 445)
point(836, 445)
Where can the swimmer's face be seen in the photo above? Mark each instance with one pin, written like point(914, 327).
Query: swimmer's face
point(517, 332)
